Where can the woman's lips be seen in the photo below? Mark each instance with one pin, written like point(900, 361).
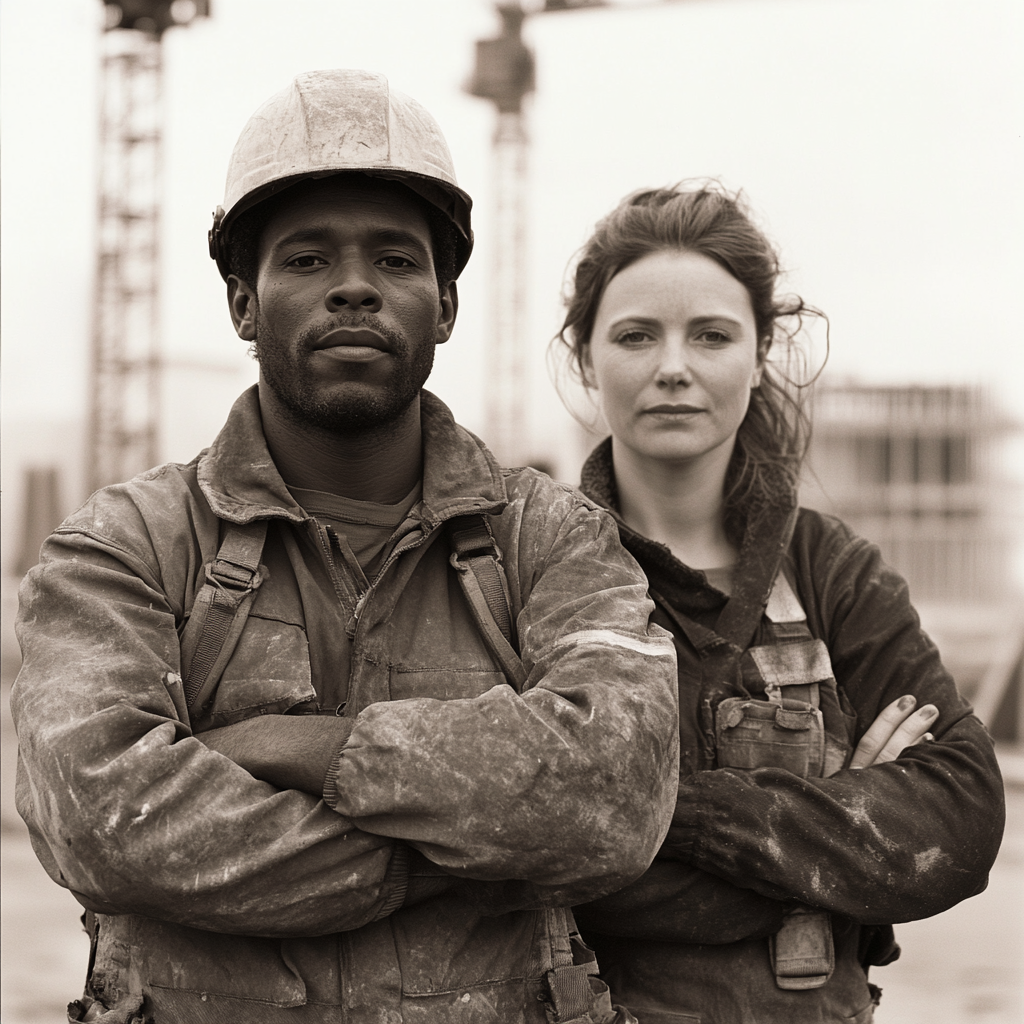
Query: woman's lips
point(672, 410)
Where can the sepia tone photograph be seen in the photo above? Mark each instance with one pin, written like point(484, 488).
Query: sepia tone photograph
point(513, 511)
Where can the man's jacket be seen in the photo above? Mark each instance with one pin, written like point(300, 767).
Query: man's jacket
point(890, 843)
point(222, 898)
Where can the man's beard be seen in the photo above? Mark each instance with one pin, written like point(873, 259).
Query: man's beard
point(287, 373)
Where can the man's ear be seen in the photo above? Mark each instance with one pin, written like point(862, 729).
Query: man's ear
point(242, 304)
point(449, 311)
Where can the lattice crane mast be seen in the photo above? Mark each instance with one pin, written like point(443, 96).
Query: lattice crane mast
point(125, 364)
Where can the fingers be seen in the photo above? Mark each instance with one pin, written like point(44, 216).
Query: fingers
point(912, 730)
point(881, 731)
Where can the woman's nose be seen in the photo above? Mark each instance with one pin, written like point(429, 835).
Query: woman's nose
point(673, 367)
point(353, 291)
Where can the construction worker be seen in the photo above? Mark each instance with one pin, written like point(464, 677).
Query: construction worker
point(334, 722)
point(833, 781)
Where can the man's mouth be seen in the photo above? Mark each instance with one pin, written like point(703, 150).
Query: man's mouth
point(352, 344)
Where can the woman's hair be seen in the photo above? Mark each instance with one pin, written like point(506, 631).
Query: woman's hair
point(772, 439)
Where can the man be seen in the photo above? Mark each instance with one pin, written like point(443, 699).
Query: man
point(275, 735)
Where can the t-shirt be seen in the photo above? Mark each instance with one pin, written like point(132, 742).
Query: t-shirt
point(363, 528)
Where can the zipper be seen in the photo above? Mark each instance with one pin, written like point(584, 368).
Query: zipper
point(332, 568)
point(399, 549)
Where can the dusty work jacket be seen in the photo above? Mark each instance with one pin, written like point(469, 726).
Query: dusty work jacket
point(689, 942)
point(221, 898)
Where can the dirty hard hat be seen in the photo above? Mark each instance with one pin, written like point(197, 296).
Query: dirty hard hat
point(327, 122)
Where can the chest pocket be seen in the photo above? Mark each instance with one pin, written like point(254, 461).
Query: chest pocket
point(787, 729)
point(268, 673)
point(236, 661)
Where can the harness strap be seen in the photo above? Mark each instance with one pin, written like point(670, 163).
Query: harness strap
point(221, 607)
point(739, 619)
point(573, 964)
point(477, 560)
point(802, 951)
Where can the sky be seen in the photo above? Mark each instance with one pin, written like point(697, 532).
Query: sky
point(878, 141)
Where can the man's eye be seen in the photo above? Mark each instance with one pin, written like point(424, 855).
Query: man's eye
point(306, 260)
point(395, 262)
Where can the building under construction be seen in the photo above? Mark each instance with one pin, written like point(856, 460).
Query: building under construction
point(916, 469)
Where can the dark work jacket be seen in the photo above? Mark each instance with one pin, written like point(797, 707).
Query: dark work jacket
point(896, 842)
point(221, 898)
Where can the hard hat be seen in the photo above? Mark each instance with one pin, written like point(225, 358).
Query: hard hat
point(326, 122)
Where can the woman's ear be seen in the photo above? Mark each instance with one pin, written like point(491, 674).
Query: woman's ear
point(242, 305)
point(762, 357)
point(587, 368)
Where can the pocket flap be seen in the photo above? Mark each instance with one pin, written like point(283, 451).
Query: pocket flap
point(806, 661)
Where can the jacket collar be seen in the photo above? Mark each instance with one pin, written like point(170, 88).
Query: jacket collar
point(767, 528)
point(241, 482)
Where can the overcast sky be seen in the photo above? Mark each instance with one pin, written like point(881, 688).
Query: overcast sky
point(879, 141)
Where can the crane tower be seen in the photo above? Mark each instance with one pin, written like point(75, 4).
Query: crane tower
point(125, 385)
point(504, 75)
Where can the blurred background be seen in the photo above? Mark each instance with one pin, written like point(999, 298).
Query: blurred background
point(878, 141)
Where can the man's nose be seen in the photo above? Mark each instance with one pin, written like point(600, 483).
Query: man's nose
point(354, 290)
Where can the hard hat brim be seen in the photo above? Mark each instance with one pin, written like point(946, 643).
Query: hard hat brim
point(449, 199)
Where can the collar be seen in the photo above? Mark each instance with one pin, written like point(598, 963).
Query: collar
point(240, 481)
point(767, 528)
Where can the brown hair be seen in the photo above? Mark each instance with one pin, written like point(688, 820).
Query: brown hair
point(772, 439)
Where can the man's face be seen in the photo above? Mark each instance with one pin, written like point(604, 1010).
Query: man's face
point(347, 309)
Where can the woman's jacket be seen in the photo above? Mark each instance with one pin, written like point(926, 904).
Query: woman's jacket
point(693, 939)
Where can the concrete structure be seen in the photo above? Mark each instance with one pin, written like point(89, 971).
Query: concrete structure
point(916, 469)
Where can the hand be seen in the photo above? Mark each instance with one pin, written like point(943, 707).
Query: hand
point(288, 751)
point(895, 729)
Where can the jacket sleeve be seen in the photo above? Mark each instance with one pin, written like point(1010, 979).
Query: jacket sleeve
point(674, 902)
point(891, 843)
point(129, 811)
point(571, 783)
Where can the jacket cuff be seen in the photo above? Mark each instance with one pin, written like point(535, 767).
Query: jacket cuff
point(396, 880)
point(330, 791)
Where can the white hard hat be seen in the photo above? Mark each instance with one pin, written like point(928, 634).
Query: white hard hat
point(327, 122)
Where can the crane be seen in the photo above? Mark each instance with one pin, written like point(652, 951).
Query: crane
point(125, 362)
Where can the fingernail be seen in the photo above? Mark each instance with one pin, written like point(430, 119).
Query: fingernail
point(929, 737)
point(930, 712)
point(906, 703)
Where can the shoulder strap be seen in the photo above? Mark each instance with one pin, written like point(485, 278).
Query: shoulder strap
point(477, 561)
point(742, 613)
point(220, 609)
point(792, 660)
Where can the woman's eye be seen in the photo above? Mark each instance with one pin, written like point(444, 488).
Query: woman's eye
point(715, 337)
point(633, 338)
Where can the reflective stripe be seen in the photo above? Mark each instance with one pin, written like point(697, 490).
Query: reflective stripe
point(653, 647)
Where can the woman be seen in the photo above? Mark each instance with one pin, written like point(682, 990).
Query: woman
point(785, 867)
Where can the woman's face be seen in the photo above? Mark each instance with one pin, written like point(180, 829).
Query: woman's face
point(673, 357)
